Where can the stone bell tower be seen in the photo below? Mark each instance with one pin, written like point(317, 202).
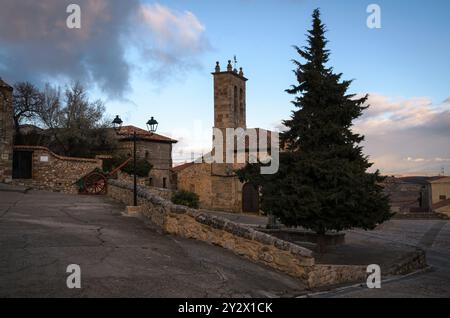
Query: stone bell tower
point(6, 131)
point(229, 109)
point(229, 98)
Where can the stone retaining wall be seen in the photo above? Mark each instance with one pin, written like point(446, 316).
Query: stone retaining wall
point(328, 275)
point(409, 263)
point(244, 241)
point(144, 182)
point(297, 235)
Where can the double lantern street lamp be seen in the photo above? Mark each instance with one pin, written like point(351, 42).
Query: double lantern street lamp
point(152, 126)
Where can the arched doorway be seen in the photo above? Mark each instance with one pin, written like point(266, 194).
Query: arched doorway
point(250, 199)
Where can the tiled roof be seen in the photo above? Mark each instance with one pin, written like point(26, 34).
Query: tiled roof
point(420, 179)
point(127, 132)
point(439, 179)
point(249, 133)
point(182, 167)
point(258, 131)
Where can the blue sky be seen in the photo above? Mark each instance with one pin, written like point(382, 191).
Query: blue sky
point(405, 65)
point(406, 57)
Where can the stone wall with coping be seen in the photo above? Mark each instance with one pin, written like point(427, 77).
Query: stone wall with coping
point(144, 182)
point(329, 275)
point(55, 173)
point(243, 241)
point(409, 263)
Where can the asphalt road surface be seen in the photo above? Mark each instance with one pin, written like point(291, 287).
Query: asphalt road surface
point(41, 233)
point(431, 235)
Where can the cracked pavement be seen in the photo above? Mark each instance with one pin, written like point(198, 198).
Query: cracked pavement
point(41, 233)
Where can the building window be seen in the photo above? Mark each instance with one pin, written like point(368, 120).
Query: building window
point(146, 154)
point(241, 103)
point(164, 183)
point(235, 106)
point(442, 197)
point(150, 182)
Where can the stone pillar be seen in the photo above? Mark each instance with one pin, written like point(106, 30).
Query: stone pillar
point(6, 132)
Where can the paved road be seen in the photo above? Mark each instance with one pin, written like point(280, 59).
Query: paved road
point(431, 235)
point(42, 233)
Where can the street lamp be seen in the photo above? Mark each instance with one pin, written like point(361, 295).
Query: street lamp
point(117, 123)
point(152, 126)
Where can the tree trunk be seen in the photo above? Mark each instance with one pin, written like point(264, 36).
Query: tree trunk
point(321, 243)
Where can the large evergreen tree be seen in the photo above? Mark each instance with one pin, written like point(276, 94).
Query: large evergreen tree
point(323, 183)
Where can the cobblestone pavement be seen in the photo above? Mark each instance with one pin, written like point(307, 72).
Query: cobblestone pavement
point(42, 233)
point(431, 235)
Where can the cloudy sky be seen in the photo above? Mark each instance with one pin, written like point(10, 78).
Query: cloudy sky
point(147, 58)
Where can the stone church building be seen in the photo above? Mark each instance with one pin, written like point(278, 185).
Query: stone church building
point(216, 184)
point(6, 132)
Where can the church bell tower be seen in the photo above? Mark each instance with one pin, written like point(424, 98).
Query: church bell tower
point(229, 98)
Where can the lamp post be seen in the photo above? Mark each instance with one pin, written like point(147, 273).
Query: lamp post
point(152, 126)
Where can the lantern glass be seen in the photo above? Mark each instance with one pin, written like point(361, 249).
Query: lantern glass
point(152, 125)
point(117, 123)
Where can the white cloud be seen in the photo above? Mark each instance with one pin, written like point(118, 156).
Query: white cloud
point(416, 159)
point(37, 46)
point(406, 134)
point(442, 159)
point(174, 39)
point(386, 114)
point(171, 28)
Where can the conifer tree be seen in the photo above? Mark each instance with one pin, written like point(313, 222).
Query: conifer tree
point(323, 182)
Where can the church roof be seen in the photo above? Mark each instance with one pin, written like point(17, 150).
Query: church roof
point(182, 166)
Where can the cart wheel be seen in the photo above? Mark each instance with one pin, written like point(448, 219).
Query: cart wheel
point(95, 184)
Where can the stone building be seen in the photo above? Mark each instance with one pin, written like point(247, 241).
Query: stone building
point(6, 132)
point(439, 189)
point(154, 148)
point(40, 168)
point(418, 193)
point(215, 182)
point(408, 194)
